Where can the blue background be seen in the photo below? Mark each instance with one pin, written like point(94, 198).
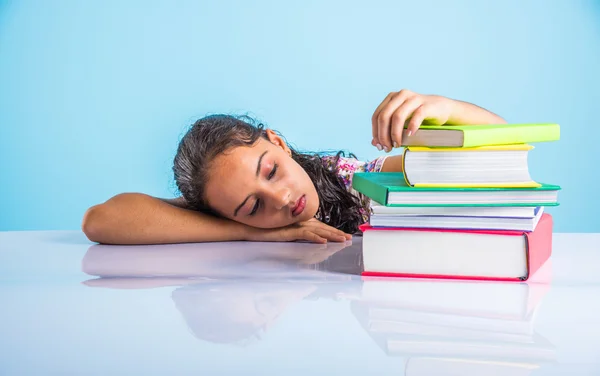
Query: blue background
point(95, 95)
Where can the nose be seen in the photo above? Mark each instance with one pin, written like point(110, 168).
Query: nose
point(280, 196)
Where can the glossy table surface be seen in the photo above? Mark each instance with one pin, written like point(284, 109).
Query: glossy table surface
point(70, 307)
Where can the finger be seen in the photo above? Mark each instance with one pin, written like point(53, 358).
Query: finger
point(312, 223)
point(384, 119)
point(311, 236)
point(333, 236)
point(339, 235)
point(417, 119)
point(335, 230)
point(399, 118)
point(375, 141)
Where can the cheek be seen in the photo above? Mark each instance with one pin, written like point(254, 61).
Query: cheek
point(275, 220)
point(313, 206)
point(313, 196)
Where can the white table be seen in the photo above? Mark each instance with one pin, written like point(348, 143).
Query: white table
point(69, 307)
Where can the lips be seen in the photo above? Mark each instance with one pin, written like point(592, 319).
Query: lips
point(299, 206)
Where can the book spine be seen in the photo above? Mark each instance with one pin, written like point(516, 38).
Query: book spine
point(519, 134)
point(406, 151)
point(370, 189)
point(539, 244)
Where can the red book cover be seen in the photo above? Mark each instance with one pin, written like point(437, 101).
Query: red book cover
point(538, 248)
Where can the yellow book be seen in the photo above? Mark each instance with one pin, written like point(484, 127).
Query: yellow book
point(502, 166)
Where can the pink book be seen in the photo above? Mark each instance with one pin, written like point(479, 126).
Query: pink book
point(456, 254)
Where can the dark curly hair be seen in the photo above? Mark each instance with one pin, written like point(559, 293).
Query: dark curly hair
point(212, 135)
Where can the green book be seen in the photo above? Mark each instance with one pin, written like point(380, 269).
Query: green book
point(390, 189)
point(481, 135)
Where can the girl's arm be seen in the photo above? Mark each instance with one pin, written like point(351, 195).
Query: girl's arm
point(136, 218)
point(468, 113)
point(406, 108)
point(409, 109)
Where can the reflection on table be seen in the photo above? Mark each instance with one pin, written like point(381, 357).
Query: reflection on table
point(232, 293)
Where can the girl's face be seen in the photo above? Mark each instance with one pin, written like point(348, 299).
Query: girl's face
point(261, 186)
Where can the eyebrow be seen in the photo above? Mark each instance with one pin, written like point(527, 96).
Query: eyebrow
point(247, 197)
point(259, 162)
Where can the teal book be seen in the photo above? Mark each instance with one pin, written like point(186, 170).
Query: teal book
point(390, 189)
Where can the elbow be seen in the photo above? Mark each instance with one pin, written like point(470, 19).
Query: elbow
point(93, 224)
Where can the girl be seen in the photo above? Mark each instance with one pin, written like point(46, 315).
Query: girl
point(239, 181)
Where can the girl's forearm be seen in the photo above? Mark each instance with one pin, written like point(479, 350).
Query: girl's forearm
point(468, 113)
point(135, 218)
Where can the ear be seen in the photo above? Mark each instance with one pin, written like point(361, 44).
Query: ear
point(278, 141)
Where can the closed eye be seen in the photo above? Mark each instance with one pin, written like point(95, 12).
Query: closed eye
point(257, 202)
point(273, 171)
point(255, 208)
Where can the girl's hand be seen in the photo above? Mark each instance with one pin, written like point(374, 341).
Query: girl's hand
point(407, 108)
point(312, 230)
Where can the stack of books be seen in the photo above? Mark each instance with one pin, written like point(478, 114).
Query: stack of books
point(465, 206)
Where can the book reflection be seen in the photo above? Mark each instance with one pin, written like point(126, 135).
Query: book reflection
point(456, 327)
